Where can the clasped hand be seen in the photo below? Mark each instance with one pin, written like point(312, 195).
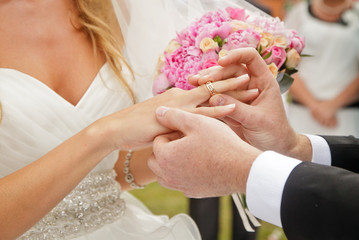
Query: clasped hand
point(136, 126)
point(200, 158)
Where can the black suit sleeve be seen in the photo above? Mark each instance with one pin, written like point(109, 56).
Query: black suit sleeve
point(320, 202)
point(344, 152)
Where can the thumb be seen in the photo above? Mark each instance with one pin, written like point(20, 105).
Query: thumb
point(175, 119)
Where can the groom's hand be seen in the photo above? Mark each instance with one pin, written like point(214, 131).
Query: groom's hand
point(204, 158)
point(262, 123)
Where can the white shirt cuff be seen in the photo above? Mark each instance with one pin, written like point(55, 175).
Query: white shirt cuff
point(265, 185)
point(321, 151)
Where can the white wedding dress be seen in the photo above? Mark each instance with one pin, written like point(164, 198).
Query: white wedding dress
point(35, 120)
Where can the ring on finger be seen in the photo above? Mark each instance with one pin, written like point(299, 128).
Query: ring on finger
point(210, 88)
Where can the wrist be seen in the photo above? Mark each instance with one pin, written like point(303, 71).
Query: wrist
point(245, 168)
point(100, 134)
point(336, 103)
point(312, 104)
point(301, 149)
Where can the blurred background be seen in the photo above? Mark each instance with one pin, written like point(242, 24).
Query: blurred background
point(217, 218)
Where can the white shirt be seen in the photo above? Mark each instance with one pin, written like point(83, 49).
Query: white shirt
point(269, 174)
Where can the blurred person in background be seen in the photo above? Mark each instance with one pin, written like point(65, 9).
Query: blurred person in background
point(325, 90)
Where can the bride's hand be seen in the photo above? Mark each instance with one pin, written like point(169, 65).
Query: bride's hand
point(137, 126)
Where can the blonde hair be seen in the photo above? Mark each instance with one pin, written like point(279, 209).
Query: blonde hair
point(98, 19)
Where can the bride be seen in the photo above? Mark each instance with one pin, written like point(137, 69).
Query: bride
point(68, 106)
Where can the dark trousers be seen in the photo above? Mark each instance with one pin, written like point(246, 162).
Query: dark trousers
point(205, 212)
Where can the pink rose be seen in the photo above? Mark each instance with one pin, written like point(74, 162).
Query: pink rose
point(236, 13)
point(277, 57)
point(297, 42)
point(161, 84)
point(210, 63)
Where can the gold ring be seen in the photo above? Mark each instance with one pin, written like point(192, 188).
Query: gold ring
point(210, 88)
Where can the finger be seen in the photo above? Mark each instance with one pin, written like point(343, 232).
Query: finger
point(218, 74)
point(249, 56)
point(242, 112)
point(245, 96)
point(230, 122)
point(176, 119)
point(201, 94)
point(193, 79)
point(169, 137)
point(214, 112)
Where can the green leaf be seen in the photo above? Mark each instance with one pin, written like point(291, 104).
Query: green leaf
point(285, 81)
point(291, 71)
point(260, 49)
point(218, 40)
point(306, 55)
point(267, 55)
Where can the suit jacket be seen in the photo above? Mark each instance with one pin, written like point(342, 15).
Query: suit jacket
point(322, 202)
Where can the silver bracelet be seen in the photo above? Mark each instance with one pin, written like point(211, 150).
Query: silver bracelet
point(129, 178)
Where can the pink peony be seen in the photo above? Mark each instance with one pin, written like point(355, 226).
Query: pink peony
point(213, 17)
point(272, 25)
point(212, 30)
point(180, 64)
point(277, 57)
point(210, 55)
point(161, 84)
point(241, 39)
point(236, 13)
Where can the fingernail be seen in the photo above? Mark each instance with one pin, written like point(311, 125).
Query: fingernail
point(244, 76)
point(223, 57)
point(219, 101)
point(230, 106)
point(161, 111)
point(194, 76)
point(254, 90)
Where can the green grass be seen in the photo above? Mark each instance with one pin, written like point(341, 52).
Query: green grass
point(163, 201)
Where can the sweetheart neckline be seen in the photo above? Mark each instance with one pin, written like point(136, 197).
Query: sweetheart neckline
point(49, 89)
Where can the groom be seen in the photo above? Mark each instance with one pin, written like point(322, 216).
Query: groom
point(306, 184)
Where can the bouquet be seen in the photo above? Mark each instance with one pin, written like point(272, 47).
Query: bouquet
point(203, 42)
